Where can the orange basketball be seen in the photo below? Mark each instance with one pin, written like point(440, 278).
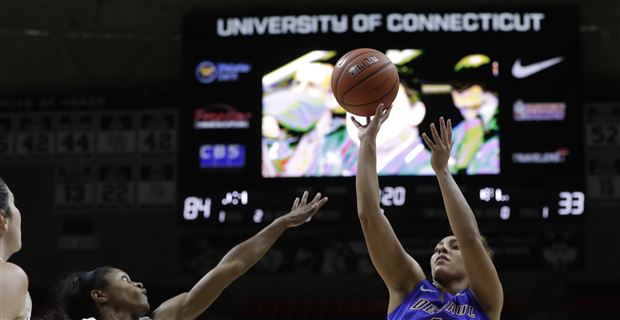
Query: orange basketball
point(364, 78)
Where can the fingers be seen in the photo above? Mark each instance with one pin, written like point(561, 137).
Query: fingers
point(386, 114)
point(379, 110)
point(304, 198)
point(428, 141)
point(295, 204)
point(313, 210)
point(316, 197)
point(321, 202)
point(315, 207)
point(441, 138)
point(444, 131)
point(355, 122)
point(450, 131)
point(316, 204)
point(436, 137)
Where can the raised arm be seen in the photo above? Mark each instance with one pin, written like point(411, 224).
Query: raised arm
point(483, 277)
point(235, 263)
point(399, 271)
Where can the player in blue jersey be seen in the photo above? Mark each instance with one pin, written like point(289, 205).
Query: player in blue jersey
point(108, 293)
point(464, 284)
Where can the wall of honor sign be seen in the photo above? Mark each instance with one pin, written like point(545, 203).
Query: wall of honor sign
point(105, 153)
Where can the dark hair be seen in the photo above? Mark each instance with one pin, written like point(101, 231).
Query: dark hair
point(4, 198)
point(72, 294)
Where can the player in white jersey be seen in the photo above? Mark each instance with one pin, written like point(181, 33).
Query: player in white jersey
point(15, 301)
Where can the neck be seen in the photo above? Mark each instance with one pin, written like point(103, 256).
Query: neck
point(453, 286)
point(112, 314)
point(5, 253)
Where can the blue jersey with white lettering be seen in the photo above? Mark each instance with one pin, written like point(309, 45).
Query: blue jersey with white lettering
point(424, 303)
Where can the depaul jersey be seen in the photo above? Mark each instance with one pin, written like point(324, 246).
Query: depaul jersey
point(424, 303)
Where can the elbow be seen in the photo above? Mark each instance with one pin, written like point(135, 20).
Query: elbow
point(233, 268)
point(363, 215)
point(367, 216)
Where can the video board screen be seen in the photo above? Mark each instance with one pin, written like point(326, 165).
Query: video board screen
point(259, 122)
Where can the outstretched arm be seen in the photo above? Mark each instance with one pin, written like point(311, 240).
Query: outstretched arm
point(236, 262)
point(399, 271)
point(484, 280)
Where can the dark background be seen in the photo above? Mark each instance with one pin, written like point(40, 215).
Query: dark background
point(133, 49)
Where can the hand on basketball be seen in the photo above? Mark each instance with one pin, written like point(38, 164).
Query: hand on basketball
point(301, 211)
point(441, 144)
point(372, 126)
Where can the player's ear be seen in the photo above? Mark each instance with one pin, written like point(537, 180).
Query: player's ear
point(99, 296)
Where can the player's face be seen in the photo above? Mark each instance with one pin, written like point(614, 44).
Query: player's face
point(447, 262)
point(13, 234)
point(124, 294)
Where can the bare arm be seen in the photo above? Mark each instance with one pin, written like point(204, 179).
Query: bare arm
point(399, 271)
point(484, 280)
point(235, 263)
point(13, 290)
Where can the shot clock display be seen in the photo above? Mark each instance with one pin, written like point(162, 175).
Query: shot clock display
point(256, 88)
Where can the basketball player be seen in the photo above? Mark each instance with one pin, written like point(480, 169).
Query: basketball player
point(108, 293)
point(464, 284)
point(15, 303)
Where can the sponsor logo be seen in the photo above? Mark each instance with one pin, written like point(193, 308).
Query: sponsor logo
point(342, 61)
point(222, 156)
point(558, 156)
point(221, 116)
point(363, 64)
point(208, 72)
point(422, 288)
point(538, 111)
point(520, 71)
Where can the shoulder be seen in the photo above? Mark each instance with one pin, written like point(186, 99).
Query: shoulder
point(473, 301)
point(13, 282)
point(13, 274)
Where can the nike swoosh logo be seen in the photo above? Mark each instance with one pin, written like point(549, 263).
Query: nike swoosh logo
point(520, 71)
point(426, 290)
point(342, 61)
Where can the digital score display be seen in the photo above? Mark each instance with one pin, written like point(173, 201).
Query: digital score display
point(259, 123)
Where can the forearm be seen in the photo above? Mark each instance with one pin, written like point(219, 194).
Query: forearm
point(235, 263)
point(247, 253)
point(366, 181)
point(461, 217)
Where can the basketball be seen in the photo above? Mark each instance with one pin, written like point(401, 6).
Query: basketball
point(364, 78)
